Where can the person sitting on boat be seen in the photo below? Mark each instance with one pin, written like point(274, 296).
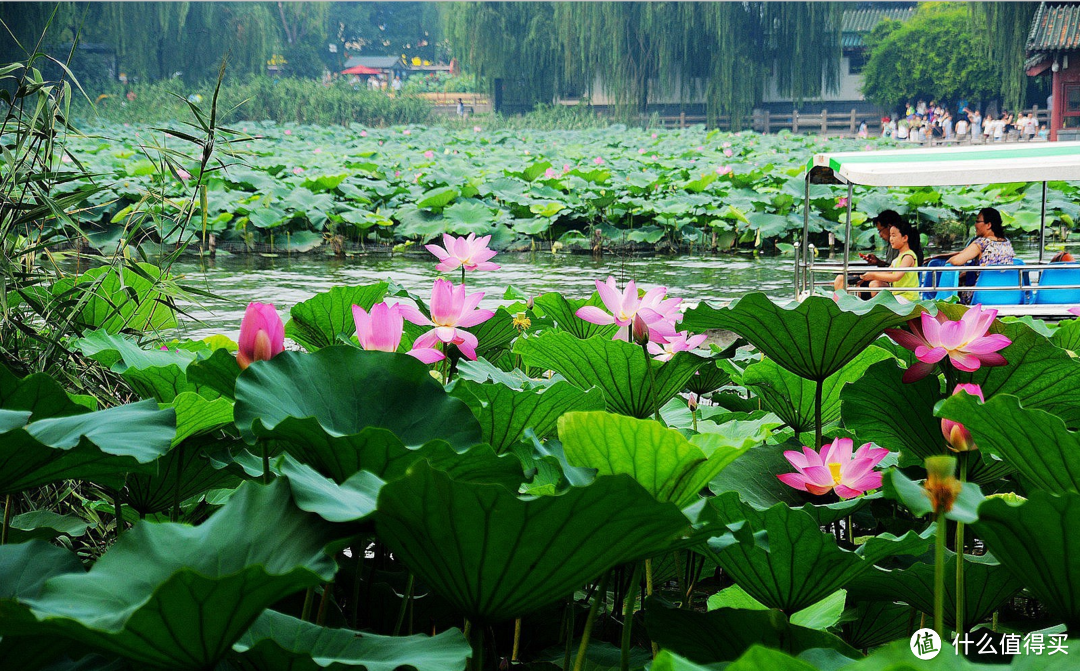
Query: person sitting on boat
point(883, 221)
point(990, 247)
point(904, 238)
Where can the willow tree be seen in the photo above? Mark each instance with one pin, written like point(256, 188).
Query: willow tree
point(1004, 28)
point(637, 52)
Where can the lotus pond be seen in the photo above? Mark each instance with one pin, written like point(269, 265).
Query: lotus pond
point(582, 481)
point(272, 188)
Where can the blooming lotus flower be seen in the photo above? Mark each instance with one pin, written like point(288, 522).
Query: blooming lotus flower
point(842, 201)
point(406, 132)
point(429, 154)
point(288, 132)
point(641, 150)
point(297, 171)
point(451, 311)
point(381, 329)
point(728, 153)
point(598, 161)
point(835, 468)
point(956, 433)
point(566, 167)
point(723, 170)
point(681, 342)
point(184, 175)
point(470, 253)
point(1075, 310)
point(262, 335)
point(318, 150)
point(363, 133)
point(550, 174)
point(652, 312)
point(654, 136)
point(965, 342)
point(476, 129)
point(726, 145)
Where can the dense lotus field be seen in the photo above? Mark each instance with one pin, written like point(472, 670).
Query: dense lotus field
point(301, 187)
point(397, 478)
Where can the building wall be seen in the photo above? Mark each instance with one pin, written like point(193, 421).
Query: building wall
point(850, 89)
point(1068, 74)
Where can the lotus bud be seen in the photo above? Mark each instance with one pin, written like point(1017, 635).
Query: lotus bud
point(941, 484)
point(692, 403)
point(262, 335)
point(955, 433)
point(529, 303)
point(641, 331)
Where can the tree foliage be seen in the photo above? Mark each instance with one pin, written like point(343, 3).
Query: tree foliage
point(1006, 26)
point(637, 52)
point(934, 56)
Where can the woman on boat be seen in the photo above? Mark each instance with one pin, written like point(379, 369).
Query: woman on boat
point(990, 247)
point(904, 238)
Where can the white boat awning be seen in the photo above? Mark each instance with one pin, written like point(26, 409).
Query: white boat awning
point(952, 166)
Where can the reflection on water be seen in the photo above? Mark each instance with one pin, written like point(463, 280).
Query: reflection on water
point(285, 281)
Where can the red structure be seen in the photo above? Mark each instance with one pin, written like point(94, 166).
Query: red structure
point(1054, 47)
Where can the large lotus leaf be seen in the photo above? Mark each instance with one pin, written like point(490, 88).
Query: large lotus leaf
point(562, 311)
point(495, 333)
point(875, 623)
point(197, 415)
point(725, 634)
point(1039, 373)
point(44, 525)
point(277, 642)
point(1034, 442)
point(178, 597)
point(987, 584)
point(756, 658)
point(792, 397)
point(101, 444)
point(814, 338)
point(708, 378)
point(24, 570)
point(1067, 336)
point(619, 368)
point(505, 413)
point(318, 321)
point(753, 477)
point(351, 501)
point(1035, 540)
point(880, 408)
point(824, 614)
point(37, 394)
point(666, 464)
point(195, 467)
point(500, 556)
point(131, 298)
point(347, 390)
point(801, 565)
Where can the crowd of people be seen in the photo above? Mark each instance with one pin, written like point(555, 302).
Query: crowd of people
point(921, 122)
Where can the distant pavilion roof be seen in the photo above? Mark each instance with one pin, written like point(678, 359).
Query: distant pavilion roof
point(377, 62)
point(857, 22)
point(1055, 27)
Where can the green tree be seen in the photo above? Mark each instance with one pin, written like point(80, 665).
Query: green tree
point(934, 56)
point(1005, 26)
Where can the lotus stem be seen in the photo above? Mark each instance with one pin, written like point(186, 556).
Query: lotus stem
point(7, 520)
point(320, 617)
point(939, 577)
point(475, 637)
point(357, 577)
point(266, 463)
point(817, 414)
point(569, 633)
point(680, 576)
point(649, 592)
point(628, 618)
point(309, 596)
point(179, 471)
point(601, 594)
point(517, 640)
point(405, 598)
point(652, 383)
point(118, 508)
point(963, 457)
point(462, 275)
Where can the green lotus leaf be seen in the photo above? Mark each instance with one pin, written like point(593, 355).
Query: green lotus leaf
point(792, 397)
point(725, 634)
point(880, 408)
point(504, 413)
point(321, 319)
point(495, 333)
point(1035, 540)
point(1038, 373)
point(548, 545)
point(277, 642)
point(92, 445)
point(812, 339)
point(347, 390)
point(44, 525)
point(437, 198)
point(620, 369)
point(1067, 336)
point(708, 378)
point(801, 565)
point(131, 298)
point(37, 394)
point(562, 311)
point(753, 477)
point(987, 585)
point(178, 597)
point(189, 469)
point(878, 622)
point(666, 464)
point(196, 415)
point(740, 434)
point(822, 615)
point(351, 501)
point(1034, 442)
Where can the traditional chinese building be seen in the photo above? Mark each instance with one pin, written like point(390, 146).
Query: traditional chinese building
point(1054, 49)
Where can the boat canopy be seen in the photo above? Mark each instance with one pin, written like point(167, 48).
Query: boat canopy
point(952, 166)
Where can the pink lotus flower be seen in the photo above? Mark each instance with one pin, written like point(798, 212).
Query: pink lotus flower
point(397, 173)
point(451, 311)
point(726, 145)
point(381, 331)
point(652, 313)
point(184, 175)
point(470, 253)
point(318, 150)
point(262, 335)
point(476, 129)
point(550, 174)
point(1075, 310)
point(654, 136)
point(598, 161)
point(681, 342)
point(64, 158)
point(288, 132)
point(728, 153)
point(959, 437)
point(842, 201)
point(566, 167)
point(835, 468)
point(965, 342)
point(406, 132)
point(723, 170)
point(429, 154)
point(298, 171)
point(641, 150)
point(363, 133)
